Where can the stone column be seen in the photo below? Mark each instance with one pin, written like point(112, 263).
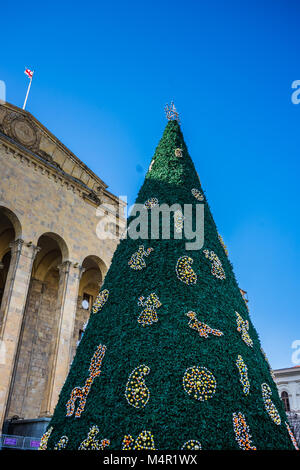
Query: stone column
point(12, 311)
point(70, 275)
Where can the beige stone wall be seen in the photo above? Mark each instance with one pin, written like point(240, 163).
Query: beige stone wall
point(41, 313)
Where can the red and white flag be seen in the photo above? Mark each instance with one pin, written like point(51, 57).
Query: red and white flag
point(29, 73)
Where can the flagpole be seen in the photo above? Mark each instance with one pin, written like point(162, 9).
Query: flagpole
point(28, 89)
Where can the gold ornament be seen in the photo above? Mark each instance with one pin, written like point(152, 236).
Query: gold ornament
point(82, 392)
point(44, 439)
point(144, 441)
point(243, 327)
point(269, 405)
point(197, 194)
point(149, 314)
point(191, 445)
point(137, 393)
point(243, 370)
point(199, 383)
point(91, 443)
point(242, 432)
point(137, 261)
point(216, 267)
point(63, 441)
point(203, 329)
point(100, 300)
point(184, 272)
point(152, 202)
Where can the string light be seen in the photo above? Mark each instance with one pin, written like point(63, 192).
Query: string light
point(61, 443)
point(216, 267)
point(44, 439)
point(197, 194)
point(242, 432)
point(137, 393)
point(137, 261)
point(203, 329)
point(178, 220)
point(200, 383)
point(269, 405)
point(100, 300)
point(292, 436)
point(243, 327)
point(144, 441)
point(243, 370)
point(149, 314)
point(150, 203)
point(91, 443)
point(184, 272)
point(82, 392)
point(191, 445)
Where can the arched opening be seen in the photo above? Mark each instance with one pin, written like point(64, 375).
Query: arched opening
point(9, 224)
point(285, 400)
point(39, 330)
point(90, 283)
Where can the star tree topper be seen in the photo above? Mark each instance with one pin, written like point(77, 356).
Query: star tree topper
point(171, 112)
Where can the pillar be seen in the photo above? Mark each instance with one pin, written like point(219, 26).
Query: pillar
point(70, 274)
point(12, 312)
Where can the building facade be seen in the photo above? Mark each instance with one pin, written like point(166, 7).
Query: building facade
point(288, 384)
point(52, 263)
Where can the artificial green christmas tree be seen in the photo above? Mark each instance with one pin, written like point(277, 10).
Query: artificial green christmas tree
point(170, 359)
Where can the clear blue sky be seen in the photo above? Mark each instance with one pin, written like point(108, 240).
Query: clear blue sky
point(103, 73)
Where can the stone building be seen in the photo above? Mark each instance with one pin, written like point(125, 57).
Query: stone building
point(51, 260)
point(288, 384)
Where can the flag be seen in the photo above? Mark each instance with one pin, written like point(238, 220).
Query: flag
point(29, 73)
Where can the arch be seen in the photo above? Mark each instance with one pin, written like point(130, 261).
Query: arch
point(100, 263)
point(13, 219)
point(60, 241)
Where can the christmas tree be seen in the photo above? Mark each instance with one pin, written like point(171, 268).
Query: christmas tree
point(170, 359)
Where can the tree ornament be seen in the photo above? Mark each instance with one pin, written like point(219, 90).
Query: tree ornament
point(242, 432)
point(184, 271)
point(149, 314)
point(269, 405)
point(292, 436)
point(44, 439)
point(243, 370)
point(223, 244)
point(197, 194)
point(191, 445)
point(151, 165)
point(171, 112)
point(82, 392)
point(91, 443)
point(178, 153)
point(243, 327)
point(178, 220)
point(62, 443)
point(144, 441)
point(203, 329)
point(137, 261)
point(137, 393)
point(216, 267)
point(150, 203)
point(100, 300)
point(199, 383)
